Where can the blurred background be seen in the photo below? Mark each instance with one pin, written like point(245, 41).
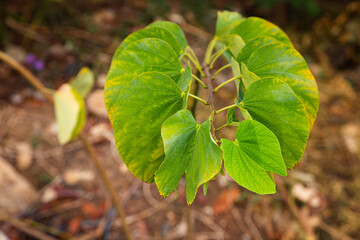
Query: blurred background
point(53, 190)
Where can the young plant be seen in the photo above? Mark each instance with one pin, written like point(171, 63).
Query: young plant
point(147, 91)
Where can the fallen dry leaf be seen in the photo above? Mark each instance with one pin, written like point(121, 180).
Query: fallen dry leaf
point(225, 200)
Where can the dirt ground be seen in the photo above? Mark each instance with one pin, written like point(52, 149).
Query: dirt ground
point(67, 200)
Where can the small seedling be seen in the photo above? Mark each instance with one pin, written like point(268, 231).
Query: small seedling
point(147, 91)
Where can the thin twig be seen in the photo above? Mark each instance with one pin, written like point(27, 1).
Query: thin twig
point(189, 223)
point(239, 220)
point(210, 223)
point(41, 88)
point(334, 232)
point(253, 228)
point(27, 74)
point(294, 210)
point(26, 229)
point(108, 185)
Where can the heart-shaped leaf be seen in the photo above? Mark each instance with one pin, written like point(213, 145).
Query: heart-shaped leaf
point(274, 104)
point(231, 117)
point(285, 63)
point(189, 148)
point(151, 32)
point(248, 77)
point(251, 46)
point(174, 29)
point(254, 151)
point(83, 82)
point(144, 55)
point(254, 27)
point(140, 110)
point(226, 21)
point(70, 113)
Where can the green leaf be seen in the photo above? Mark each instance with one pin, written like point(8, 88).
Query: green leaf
point(254, 150)
point(231, 117)
point(174, 29)
point(205, 187)
point(247, 77)
point(285, 63)
point(254, 27)
point(144, 55)
point(189, 148)
point(243, 111)
point(251, 46)
point(226, 21)
point(142, 107)
point(235, 67)
point(70, 113)
point(234, 43)
point(83, 82)
point(185, 84)
point(273, 103)
point(151, 32)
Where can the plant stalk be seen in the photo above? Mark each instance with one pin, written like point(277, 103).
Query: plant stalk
point(41, 88)
point(210, 99)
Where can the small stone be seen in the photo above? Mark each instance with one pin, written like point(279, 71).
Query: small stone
point(76, 176)
point(96, 103)
point(24, 157)
point(100, 81)
point(48, 195)
point(16, 192)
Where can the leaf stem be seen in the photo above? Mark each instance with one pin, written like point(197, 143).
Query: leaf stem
point(216, 56)
point(225, 125)
point(220, 69)
point(195, 63)
point(41, 88)
point(209, 51)
point(225, 108)
point(226, 82)
point(191, 51)
point(199, 80)
point(197, 98)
